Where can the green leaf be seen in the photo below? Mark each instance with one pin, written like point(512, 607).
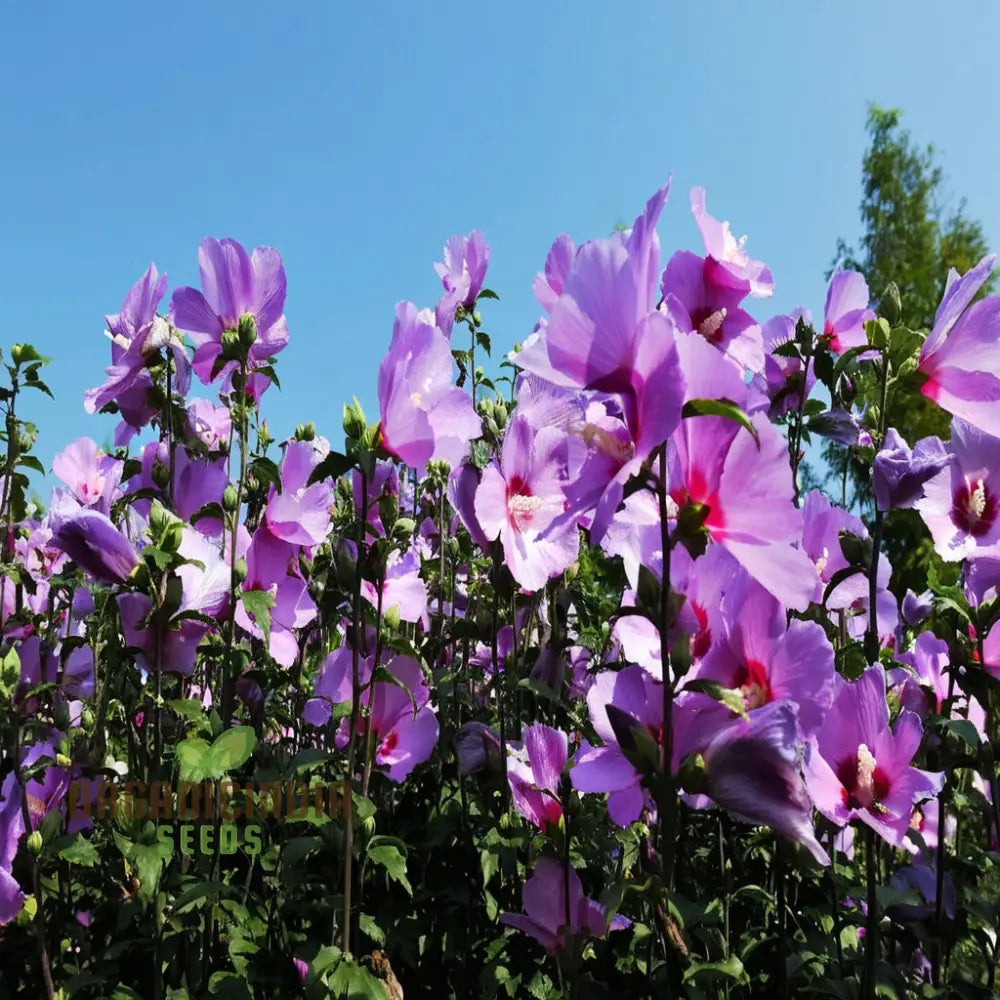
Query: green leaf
point(963, 729)
point(194, 758)
point(845, 360)
point(77, 850)
point(30, 462)
point(265, 471)
point(232, 749)
point(393, 861)
point(487, 293)
point(199, 892)
point(729, 697)
point(706, 973)
point(371, 929)
point(720, 408)
point(258, 604)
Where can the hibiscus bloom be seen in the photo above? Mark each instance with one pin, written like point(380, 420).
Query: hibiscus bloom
point(958, 358)
point(234, 285)
point(858, 768)
point(424, 417)
point(520, 498)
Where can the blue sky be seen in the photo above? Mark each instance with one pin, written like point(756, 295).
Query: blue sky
point(356, 138)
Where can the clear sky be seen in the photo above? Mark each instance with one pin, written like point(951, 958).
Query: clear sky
point(356, 137)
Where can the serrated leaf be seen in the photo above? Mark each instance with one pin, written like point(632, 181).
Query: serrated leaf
point(77, 850)
point(393, 861)
point(258, 604)
point(371, 929)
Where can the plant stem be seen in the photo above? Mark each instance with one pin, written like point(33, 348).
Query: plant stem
point(871, 924)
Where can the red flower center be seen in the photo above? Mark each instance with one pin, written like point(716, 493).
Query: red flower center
point(974, 508)
point(753, 683)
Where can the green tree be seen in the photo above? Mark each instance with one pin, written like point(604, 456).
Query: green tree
point(912, 235)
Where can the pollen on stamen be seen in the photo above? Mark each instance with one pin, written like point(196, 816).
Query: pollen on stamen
point(712, 324)
point(977, 499)
point(521, 507)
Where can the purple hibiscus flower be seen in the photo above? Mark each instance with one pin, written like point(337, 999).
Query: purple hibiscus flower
point(846, 311)
point(549, 284)
point(404, 726)
point(300, 514)
point(767, 662)
point(747, 495)
point(402, 588)
point(521, 497)
point(926, 691)
point(92, 477)
point(961, 503)
point(90, 539)
point(233, 285)
point(424, 417)
point(697, 305)
point(729, 264)
point(779, 388)
point(858, 768)
point(752, 771)
point(546, 905)
point(478, 748)
point(11, 830)
point(900, 474)
point(534, 773)
point(209, 424)
point(632, 693)
point(137, 334)
point(462, 272)
point(958, 358)
point(270, 567)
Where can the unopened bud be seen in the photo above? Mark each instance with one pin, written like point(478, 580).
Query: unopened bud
point(240, 569)
point(230, 499)
point(61, 718)
point(230, 344)
point(87, 720)
point(63, 761)
point(160, 474)
point(35, 842)
point(692, 774)
point(368, 825)
point(891, 303)
point(247, 330)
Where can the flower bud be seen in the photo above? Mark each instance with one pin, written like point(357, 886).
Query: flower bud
point(230, 499)
point(230, 344)
point(35, 842)
point(87, 720)
point(368, 825)
point(240, 570)
point(891, 303)
point(61, 718)
point(160, 474)
point(247, 330)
